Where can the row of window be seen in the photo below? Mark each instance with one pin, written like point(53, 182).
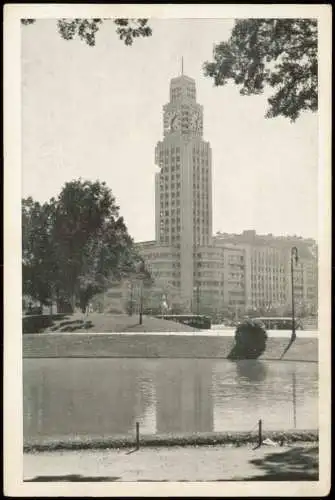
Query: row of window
point(174, 194)
point(271, 260)
point(165, 201)
point(236, 259)
point(159, 255)
point(170, 152)
point(167, 220)
point(174, 168)
point(170, 241)
point(200, 208)
point(174, 212)
point(167, 177)
point(176, 93)
point(172, 149)
point(196, 152)
point(267, 277)
point(167, 166)
point(236, 275)
point(236, 284)
point(199, 162)
point(266, 269)
point(204, 219)
point(167, 187)
point(204, 274)
point(210, 265)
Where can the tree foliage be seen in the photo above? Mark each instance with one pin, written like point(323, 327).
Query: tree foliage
point(277, 53)
point(75, 245)
point(39, 268)
point(86, 29)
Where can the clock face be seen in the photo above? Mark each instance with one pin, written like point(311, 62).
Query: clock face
point(196, 121)
point(172, 121)
point(175, 121)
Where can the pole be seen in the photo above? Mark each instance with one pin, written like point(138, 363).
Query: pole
point(260, 432)
point(294, 254)
point(141, 303)
point(137, 435)
point(294, 400)
point(131, 299)
point(198, 298)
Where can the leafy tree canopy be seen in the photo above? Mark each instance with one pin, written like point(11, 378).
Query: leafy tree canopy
point(278, 53)
point(75, 245)
point(38, 264)
point(86, 29)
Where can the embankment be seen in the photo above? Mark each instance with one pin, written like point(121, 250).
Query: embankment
point(144, 345)
point(167, 440)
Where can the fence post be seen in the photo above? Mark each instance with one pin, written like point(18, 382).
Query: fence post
point(137, 436)
point(260, 432)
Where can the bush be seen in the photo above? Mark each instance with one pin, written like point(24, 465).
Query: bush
point(38, 323)
point(250, 340)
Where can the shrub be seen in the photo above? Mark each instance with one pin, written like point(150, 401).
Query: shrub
point(250, 340)
point(38, 323)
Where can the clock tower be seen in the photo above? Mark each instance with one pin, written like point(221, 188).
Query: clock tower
point(183, 185)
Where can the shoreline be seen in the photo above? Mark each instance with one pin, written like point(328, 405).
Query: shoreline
point(153, 345)
point(238, 438)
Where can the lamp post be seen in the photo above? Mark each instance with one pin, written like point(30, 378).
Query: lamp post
point(294, 257)
point(197, 290)
point(140, 269)
point(131, 298)
point(294, 400)
point(141, 303)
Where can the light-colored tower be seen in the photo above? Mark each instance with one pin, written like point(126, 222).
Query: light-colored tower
point(183, 185)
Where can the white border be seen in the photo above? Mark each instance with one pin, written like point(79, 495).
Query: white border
point(13, 442)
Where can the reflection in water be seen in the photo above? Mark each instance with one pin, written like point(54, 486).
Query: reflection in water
point(294, 399)
point(83, 397)
point(184, 396)
point(253, 370)
point(101, 397)
point(145, 409)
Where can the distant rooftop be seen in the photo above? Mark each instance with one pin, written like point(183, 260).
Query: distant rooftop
point(250, 234)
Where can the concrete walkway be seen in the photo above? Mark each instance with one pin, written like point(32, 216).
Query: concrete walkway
point(203, 463)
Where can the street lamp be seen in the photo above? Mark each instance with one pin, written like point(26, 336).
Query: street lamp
point(294, 257)
point(131, 288)
point(140, 269)
point(197, 290)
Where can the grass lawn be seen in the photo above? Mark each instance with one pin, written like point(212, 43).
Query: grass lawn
point(100, 323)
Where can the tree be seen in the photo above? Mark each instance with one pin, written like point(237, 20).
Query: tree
point(91, 239)
point(75, 245)
point(277, 53)
point(86, 29)
point(38, 264)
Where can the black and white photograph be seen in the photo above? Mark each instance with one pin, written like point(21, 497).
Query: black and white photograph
point(171, 249)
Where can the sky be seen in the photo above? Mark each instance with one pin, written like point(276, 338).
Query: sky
point(96, 113)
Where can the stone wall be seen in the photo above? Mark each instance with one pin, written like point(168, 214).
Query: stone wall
point(144, 345)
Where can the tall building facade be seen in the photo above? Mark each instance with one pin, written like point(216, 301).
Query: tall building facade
point(192, 269)
point(267, 270)
point(183, 200)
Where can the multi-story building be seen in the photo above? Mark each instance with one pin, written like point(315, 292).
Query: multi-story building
point(182, 256)
point(191, 267)
point(267, 270)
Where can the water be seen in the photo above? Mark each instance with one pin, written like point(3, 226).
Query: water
point(64, 398)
